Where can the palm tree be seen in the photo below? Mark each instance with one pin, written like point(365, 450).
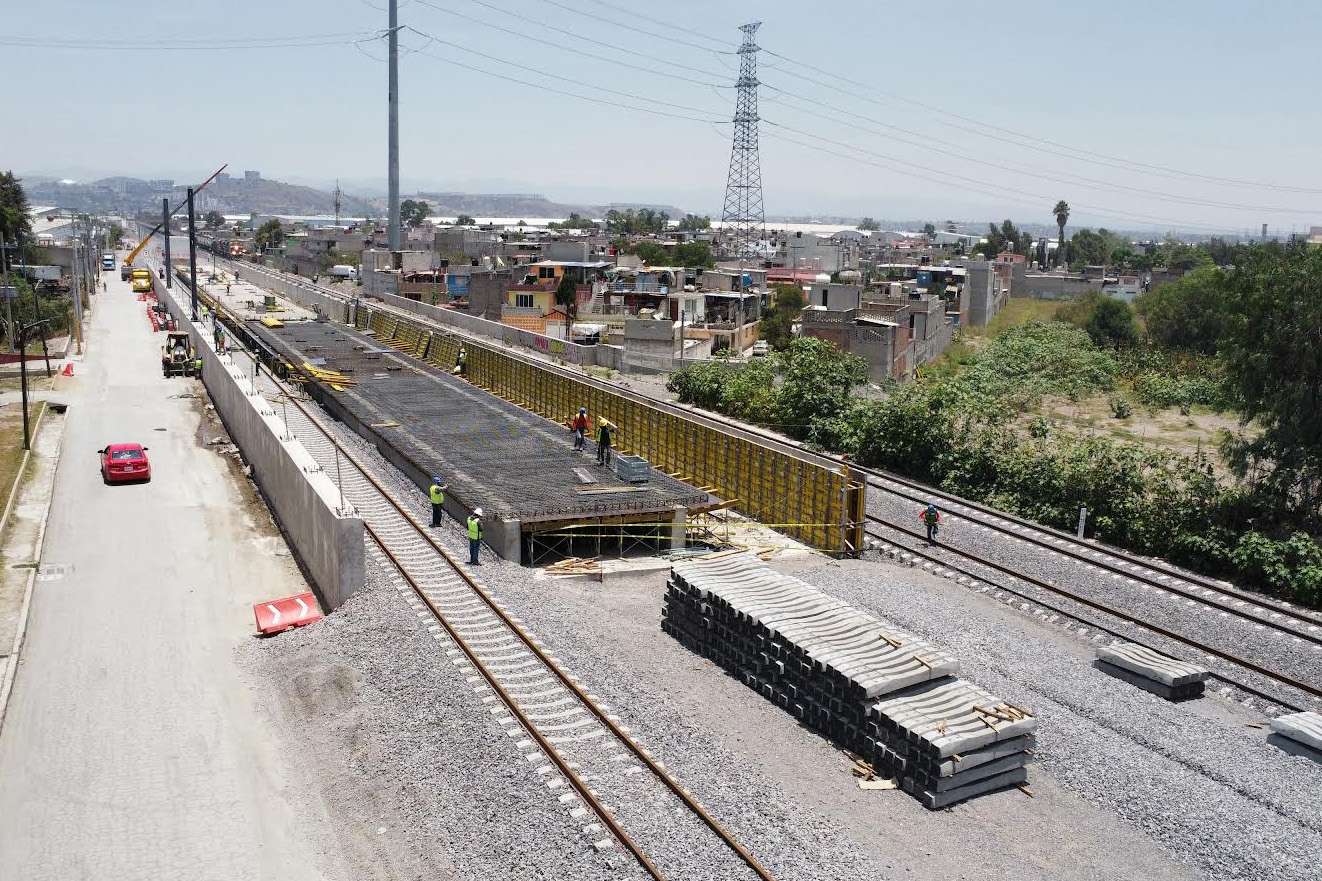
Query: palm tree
point(1062, 212)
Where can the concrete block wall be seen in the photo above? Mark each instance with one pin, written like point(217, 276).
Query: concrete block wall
point(305, 500)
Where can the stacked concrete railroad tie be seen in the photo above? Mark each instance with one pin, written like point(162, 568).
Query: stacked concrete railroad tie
point(1152, 671)
point(830, 664)
point(950, 740)
point(1299, 734)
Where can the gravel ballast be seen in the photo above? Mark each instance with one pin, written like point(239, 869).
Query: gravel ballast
point(1183, 789)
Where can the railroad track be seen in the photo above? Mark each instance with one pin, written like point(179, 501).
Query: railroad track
point(1220, 595)
point(1124, 571)
point(578, 748)
point(1250, 676)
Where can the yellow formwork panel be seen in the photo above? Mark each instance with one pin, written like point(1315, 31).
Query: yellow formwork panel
point(816, 504)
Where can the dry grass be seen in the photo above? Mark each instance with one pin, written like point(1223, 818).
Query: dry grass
point(11, 444)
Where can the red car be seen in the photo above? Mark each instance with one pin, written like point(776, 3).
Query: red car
point(124, 462)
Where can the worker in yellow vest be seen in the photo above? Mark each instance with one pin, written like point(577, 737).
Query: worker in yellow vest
point(437, 493)
point(474, 536)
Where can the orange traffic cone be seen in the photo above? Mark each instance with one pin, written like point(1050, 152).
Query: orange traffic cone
point(68, 369)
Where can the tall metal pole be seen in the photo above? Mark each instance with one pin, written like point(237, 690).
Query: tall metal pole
point(165, 210)
point(23, 380)
point(78, 306)
point(392, 171)
point(192, 251)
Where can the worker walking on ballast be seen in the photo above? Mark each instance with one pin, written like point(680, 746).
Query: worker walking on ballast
point(474, 536)
point(580, 428)
point(437, 493)
point(604, 442)
point(931, 518)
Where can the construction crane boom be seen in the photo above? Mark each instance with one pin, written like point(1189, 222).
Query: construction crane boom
point(128, 261)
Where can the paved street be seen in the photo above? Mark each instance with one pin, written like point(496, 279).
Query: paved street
point(132, 748)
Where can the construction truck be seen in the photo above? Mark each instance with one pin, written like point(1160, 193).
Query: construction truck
point(141, 281)
point(177, 355)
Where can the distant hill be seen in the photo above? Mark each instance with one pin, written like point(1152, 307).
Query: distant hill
point(229, 195)
point(520, 205)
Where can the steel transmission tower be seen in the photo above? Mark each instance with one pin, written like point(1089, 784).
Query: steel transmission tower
point(743, 221)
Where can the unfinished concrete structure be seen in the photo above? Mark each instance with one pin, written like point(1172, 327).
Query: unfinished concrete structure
point(539, 496)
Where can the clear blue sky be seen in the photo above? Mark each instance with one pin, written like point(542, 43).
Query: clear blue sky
point(1221, 89)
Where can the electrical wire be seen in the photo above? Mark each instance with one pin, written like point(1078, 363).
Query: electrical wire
point(1035, 173)
point(966, 184)
point(190, 44)
point(556, 76)
point(663, 24)
point(1028, 141)
point(600, 20)
point(632, 64)
point(546, 88)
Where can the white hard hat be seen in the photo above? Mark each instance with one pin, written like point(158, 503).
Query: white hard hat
point(477, 512)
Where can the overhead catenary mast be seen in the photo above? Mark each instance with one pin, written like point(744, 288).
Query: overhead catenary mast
point(743, 221)
point(392, 161)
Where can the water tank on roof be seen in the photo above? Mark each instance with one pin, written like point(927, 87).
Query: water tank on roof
point(850, 276)
point(822, 278)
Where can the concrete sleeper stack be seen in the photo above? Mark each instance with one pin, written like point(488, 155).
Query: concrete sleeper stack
point(886, 694)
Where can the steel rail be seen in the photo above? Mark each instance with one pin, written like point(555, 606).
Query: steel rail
point(1262, 602)
point(642, 755)
point(1252, 666)
point(578, 784)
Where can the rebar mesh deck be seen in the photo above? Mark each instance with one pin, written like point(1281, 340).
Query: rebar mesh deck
point(494, 454)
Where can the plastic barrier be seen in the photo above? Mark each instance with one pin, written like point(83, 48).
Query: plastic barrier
point(274, 616)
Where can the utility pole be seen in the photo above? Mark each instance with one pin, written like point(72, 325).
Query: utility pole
point(165, 210)
point(337, 203)
point(78, 303)
point(192, 251)
point(392, 162)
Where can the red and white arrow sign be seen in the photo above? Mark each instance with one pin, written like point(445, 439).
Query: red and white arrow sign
point(277, 615)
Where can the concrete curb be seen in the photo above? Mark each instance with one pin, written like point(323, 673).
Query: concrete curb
point(18, 478)
point(16, 651)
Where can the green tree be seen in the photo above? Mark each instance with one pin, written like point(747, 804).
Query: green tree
point(929, 229)
point(1062, 214)
point(1006, 237)
point(867, 224)
point(652, 253)
point(464, 220)
point(574, 222)
point(270, 235)
point(213, 220)
point(694, 223)
point(413, 212)
point(1112, 324)
point(566, 296)
point(15, 224)
point(1190, 314)
point(1271, 349)
point(777, 326)
point(695, 255)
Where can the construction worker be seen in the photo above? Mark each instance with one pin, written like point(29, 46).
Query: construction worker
point(205, 313)
point(604, 442)
point(461, 363)
point(474, 536)
point(580, 428)
point(931, 518)
point(197, 367)
point(437, 493)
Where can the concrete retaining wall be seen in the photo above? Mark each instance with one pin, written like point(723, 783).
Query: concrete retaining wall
point(304, 499)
